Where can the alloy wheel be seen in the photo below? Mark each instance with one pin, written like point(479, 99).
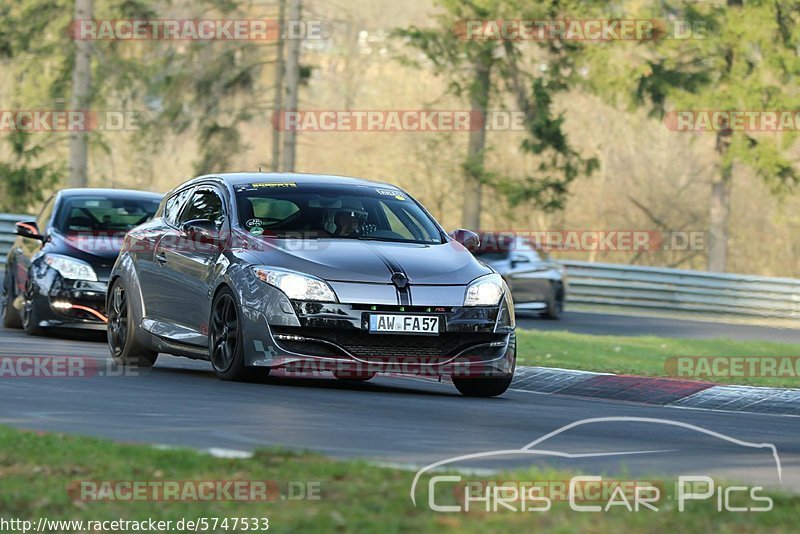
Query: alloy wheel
point(224, 333)
point(118, 320)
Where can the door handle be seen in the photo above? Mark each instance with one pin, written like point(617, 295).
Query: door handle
point(161, 258)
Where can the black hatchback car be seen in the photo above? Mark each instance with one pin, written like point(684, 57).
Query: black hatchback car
point(58, 267)
point(313, 273)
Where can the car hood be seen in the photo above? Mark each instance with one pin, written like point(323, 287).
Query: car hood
point(95, 249)
point(349, 260)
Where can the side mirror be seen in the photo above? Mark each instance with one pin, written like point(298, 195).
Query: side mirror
point(29, 229)
point(470, 240)
point(201, 230)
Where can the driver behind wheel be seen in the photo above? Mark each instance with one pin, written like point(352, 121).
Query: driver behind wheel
point(347, 221)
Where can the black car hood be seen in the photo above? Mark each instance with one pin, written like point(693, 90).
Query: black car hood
point(350, 260)
point(97, 250)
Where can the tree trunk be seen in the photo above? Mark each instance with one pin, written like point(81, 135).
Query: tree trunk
point(81, 100)
point(276, 132)
point(292, 86)
point(479, 103)
point(720, 208)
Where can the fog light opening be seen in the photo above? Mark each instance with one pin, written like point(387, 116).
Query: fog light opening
point(64, 305)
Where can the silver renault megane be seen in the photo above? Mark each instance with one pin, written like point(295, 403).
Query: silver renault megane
point(311, 273)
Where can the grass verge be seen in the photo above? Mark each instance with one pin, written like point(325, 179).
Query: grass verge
point(648, 355)
point(40, 473)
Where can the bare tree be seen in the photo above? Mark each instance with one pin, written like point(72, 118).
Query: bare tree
point(81, 98)
point(279, 67)
point(292, 85)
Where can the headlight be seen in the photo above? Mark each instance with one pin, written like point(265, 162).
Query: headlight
point(70, 268)
point(485, 291)
point(297, 286)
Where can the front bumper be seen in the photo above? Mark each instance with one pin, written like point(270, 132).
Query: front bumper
point(72, 304)
point(472, 341)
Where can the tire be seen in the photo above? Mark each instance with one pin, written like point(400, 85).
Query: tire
point(121, 332)
point(483, 386)
point(11, 318)
point(30, 319)
point(555, 304)
point(225, 340)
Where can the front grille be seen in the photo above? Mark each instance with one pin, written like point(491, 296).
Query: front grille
point(382, 347)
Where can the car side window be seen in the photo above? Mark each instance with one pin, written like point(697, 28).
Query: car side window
point(174, 205)
point(44, 216)
point(205, 204)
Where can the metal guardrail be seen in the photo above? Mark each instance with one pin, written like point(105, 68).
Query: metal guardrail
point(677, 290)
point(8, 233)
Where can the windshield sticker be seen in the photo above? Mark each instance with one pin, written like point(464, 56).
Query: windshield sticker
point(391, 193)
point(256, 231)
point(275, 184)
point(254, 222)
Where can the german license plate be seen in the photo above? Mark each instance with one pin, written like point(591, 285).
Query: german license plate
point(404, 324)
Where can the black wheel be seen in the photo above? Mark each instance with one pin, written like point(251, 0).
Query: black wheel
point(11, 318)
point(30, 319)
point(555, 304)
point(485, 386)
point(125, 347)
point(489, 386)
point(225, 345)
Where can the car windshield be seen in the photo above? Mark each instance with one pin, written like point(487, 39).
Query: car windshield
point(104, 214)
point(291, 210)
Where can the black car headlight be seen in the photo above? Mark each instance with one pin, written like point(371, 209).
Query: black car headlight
point(296, 286)
point(70, 268)
point(485, 291)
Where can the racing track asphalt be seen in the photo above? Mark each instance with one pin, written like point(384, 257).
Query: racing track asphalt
point(408, 422)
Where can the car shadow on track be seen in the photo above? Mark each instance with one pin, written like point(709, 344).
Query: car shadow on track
point(321, 382)
point(69, 334)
